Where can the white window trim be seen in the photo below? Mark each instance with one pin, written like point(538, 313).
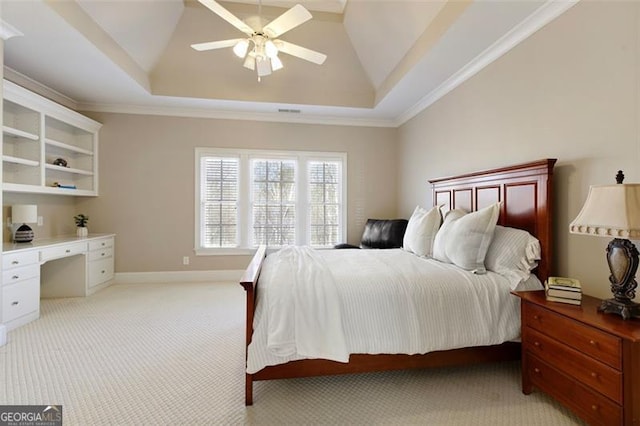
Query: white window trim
point(244, 203)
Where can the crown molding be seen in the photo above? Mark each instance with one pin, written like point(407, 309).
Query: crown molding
point(541, 17)
point(39, 88)
point(237, 115)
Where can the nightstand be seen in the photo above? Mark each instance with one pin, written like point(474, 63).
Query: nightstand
point(588, 361)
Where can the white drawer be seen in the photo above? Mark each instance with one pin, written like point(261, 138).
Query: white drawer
point(20, 299)
point(14, 260)
point(62, 251)
point(14, 275)
point(100, 254)
point(101, 243)
point(100, 271)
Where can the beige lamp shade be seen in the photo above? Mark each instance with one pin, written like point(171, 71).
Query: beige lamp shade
point(24, 213)
point(610, 211)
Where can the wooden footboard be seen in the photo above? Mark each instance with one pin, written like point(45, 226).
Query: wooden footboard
point(249, 281)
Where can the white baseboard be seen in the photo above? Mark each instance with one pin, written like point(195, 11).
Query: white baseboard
point(177, 276)
point(3, 335)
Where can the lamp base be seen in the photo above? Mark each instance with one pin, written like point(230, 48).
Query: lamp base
point(622, 257)
point(626, 309)
point(24, 234)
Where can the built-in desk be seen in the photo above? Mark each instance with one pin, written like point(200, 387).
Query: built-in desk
point(65, 266)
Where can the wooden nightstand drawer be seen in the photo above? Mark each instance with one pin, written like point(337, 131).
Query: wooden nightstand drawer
point(590, 372)
point(591, 341)
point(590, 405)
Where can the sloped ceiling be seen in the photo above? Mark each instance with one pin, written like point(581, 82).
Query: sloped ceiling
point(386, 59)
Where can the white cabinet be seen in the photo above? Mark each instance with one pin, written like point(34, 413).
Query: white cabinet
point(100, 262)
point(37, 132)
point(20, 288)
point(57, 267)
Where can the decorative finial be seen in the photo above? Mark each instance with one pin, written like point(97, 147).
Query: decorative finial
point(619, 176)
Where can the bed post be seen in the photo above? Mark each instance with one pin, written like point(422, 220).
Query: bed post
point(249, 281)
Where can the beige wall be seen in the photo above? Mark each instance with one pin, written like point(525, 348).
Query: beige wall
point(147, 180)
point(570, 92)
point(57, 214)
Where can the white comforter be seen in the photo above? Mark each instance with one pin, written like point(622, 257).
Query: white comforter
point(371, 302)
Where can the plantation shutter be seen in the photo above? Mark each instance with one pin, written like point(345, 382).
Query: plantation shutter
point(219, 198)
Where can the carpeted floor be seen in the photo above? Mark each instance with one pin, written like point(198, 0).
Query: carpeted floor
point(173, 354)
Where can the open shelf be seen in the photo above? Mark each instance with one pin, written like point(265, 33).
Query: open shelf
point(19, 133)
point(66, 147)
point(18, 160)
point(37, 132)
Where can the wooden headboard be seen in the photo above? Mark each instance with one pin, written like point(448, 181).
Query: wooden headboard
point(526, 192)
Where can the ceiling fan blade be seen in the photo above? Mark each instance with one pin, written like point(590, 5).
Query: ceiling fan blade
point(210, 45)
point(290, 19)
point(300, 52)
point(216, 8)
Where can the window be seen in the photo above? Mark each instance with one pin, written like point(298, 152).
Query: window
point(219, 201)
point(324, 202)
point(245, 198)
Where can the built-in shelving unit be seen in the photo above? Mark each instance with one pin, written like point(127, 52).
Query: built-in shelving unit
point(36, 133)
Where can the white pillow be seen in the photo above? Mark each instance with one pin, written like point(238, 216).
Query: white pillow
point(513, 253)
point(464, 238)
point(421, 231)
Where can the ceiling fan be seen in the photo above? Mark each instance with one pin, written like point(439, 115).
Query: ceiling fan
point(261, 47)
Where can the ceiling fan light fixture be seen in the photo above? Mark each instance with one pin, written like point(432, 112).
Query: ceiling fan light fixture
point(240, 49)
point(276, 64)
point(263, 66)
point(270, 49)
point(250, 62)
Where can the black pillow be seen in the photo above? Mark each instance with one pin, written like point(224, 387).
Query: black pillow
point(383, 233)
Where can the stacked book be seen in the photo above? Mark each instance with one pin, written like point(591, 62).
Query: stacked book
point(565, 290)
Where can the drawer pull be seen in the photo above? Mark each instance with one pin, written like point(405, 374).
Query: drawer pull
point(15, 303)
point(102, 272)
point(536, 317)
point(102, 254)
point(594, 407)
point(536, 370)
point(594, 375)
point(67, 251)
point(15, 262)
point(103, 244)
point(536, 344)
point(593, 343)
point(15, 277)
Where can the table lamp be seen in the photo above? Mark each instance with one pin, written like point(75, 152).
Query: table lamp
point(614, 211)
point(24, 213)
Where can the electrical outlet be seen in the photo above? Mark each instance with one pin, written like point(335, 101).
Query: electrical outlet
point(40, 221)
point(185, 260)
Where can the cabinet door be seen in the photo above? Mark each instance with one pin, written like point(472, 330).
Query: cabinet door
point(100, 271)
point(20, 299)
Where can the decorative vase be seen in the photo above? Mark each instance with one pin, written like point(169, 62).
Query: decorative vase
point(82, 231)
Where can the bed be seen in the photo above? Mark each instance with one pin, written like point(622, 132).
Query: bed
point(524, 194)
